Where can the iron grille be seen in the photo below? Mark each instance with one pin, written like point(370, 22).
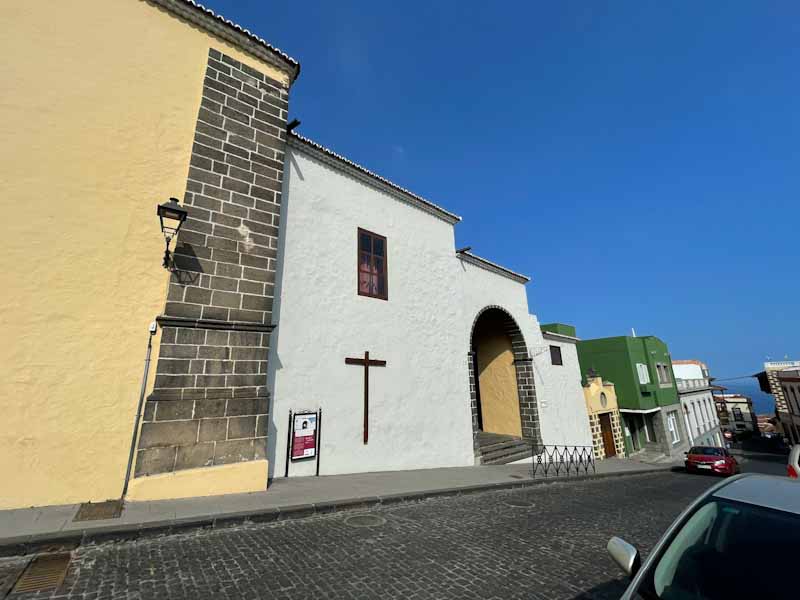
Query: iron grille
point(561, 461)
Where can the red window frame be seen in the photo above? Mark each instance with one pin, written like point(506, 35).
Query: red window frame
point(371, 266)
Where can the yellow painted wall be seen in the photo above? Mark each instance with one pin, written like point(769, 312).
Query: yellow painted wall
point(497, 378)
point(98, 104)
point(592, 391)
point(237, 478)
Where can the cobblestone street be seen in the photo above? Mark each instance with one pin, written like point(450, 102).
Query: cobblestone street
point(474, 546)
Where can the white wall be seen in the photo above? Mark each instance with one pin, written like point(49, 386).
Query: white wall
point(419, 413)
point(481, 288)
point(419, 403)
point(687, 371)
point(706, 415)
point(562, 409)
point(745, 407)
point(563, 417)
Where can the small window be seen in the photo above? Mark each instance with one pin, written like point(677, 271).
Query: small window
point(372, 268)
point(737, 414)
point(555, 355)
point(663, 373)
point(644, 375)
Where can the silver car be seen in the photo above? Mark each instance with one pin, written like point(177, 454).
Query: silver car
point(737, 540)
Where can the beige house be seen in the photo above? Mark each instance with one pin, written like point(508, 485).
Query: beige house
point(604, 418)
point(111, 108)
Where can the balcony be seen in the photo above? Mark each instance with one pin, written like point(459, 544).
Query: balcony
point(688, 385)
point(782, 364)
point(648, 388)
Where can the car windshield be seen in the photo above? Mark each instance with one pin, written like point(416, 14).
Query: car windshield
point(704, 560)
point(706, 451)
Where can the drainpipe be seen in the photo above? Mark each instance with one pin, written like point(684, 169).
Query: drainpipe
point(152, 331)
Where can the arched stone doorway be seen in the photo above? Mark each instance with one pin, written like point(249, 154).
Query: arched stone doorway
point(503, 395)
point(502, 391)
point(498, 400)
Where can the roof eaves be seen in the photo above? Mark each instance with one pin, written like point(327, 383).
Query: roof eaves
point(232, 32)
point(493, 267)
point(297, 140)
point(560, 336)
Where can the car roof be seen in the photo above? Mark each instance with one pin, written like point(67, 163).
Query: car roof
point(780, 493)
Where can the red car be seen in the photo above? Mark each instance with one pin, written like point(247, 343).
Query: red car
point(793, 466)
point(712, 460)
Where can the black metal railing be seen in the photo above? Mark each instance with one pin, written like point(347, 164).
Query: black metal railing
point(562, 461)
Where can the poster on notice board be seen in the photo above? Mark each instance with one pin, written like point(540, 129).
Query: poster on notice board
point(304, 436)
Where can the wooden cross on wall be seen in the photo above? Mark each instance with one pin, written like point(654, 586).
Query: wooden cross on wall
point(366, 363)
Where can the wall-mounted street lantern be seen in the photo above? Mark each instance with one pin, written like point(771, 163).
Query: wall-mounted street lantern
point(171, 215)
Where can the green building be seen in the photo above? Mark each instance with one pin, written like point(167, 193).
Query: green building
point(641, 370)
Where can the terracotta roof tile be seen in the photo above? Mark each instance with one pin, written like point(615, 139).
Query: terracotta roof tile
point(241, 29)
point(209, 19)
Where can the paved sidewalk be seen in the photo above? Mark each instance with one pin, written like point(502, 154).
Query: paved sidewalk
point(24, 531)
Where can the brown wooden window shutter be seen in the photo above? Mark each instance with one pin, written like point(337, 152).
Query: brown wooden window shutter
point(373, 278)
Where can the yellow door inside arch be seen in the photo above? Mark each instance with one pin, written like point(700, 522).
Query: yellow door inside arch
point(497, 379)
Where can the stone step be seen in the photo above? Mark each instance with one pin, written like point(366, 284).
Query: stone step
point(491, 437)
point(506, 454)
point(500, 446)
point(508, 458)
point(499, 449)
point(650, 456)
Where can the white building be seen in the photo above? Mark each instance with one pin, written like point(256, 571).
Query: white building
point(697, 402)
point(563, 420)
point(367, 266)
point(789, 380)
point(736, 413)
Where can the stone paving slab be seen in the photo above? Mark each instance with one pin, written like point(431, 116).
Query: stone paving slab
point(26, 531)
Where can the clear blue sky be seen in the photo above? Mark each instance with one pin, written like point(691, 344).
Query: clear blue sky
point(640, 160)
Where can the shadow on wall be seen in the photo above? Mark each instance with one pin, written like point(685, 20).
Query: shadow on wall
point(491, 324)
point(274, 363)
point(186, 266)
point(288, 171)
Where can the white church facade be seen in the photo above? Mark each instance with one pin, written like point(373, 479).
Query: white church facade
point(367, 266)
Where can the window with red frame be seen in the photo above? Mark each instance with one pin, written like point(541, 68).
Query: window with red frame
point(372, 278)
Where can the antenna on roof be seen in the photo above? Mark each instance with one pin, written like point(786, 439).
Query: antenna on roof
point(464, 249)
point(292, 125)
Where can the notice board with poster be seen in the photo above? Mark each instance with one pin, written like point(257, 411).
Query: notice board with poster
point(304, 436)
